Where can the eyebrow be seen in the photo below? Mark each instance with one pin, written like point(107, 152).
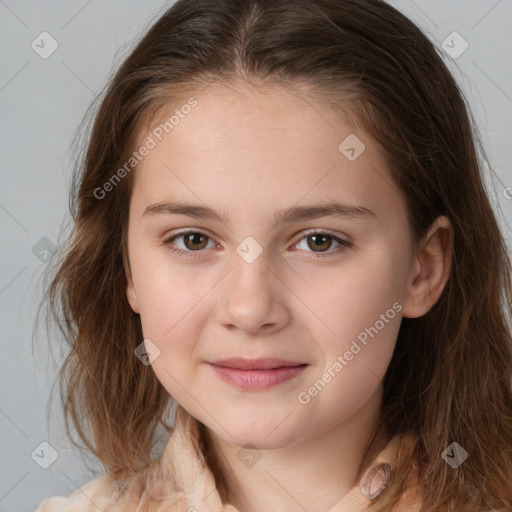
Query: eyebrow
point(288, 215)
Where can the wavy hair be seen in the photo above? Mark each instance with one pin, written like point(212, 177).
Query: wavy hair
point(450, 375)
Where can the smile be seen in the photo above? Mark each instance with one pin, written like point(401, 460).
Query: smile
point(257, 379)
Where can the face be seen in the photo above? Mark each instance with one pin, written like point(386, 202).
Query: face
point(322, 291)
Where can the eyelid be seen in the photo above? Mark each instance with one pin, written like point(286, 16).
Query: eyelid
point(320, 231)
point(176, 234)
point(344, 241)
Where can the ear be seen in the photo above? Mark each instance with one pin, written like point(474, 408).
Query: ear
point(431, 269)
point(131, 295)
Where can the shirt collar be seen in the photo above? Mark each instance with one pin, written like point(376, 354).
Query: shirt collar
point(183, 459)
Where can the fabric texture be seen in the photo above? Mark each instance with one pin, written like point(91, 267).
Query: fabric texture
point(180, 481)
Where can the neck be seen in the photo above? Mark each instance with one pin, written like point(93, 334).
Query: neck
point(312, 475)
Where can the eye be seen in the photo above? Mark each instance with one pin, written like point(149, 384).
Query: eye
point(194, 241)
point(324, 240)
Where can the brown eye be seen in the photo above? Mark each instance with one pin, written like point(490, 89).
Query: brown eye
point(195, 241)
point(192, 243)
point(320, 242)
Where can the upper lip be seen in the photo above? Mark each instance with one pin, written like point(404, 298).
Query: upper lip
point(265, 363)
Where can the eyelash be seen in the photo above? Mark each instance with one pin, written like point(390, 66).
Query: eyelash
point(344, 244)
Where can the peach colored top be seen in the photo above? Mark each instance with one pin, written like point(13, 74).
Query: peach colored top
point(180, 481)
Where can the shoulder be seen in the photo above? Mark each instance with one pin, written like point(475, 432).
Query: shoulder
point(106, 493)
point(89, 497)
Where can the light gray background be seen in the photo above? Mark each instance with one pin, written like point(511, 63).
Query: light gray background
point(43, 101)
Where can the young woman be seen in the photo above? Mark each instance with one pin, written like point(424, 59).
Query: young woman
point(284, 252)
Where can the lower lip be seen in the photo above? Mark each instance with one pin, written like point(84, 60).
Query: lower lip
point(257, 379)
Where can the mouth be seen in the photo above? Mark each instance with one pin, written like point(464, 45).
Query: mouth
point(267, 363)
point(257, 374)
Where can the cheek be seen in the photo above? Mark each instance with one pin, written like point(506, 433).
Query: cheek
point(353, 297)
point(168, 294)
point(173, 314)
point(361, 307)
point(354, 362)
point(174, 309)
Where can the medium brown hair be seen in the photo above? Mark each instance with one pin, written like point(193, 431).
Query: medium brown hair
point(450, 376)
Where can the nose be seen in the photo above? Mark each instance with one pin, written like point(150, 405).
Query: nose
point(253, 297)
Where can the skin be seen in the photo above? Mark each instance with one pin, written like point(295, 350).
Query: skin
point(249, 152)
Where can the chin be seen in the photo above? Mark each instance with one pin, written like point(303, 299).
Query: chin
point(266, 433)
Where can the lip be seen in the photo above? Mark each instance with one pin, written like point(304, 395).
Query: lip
point(256, 374)
point(264, 363)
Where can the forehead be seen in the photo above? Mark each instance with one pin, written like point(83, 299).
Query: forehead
point(253, 145)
